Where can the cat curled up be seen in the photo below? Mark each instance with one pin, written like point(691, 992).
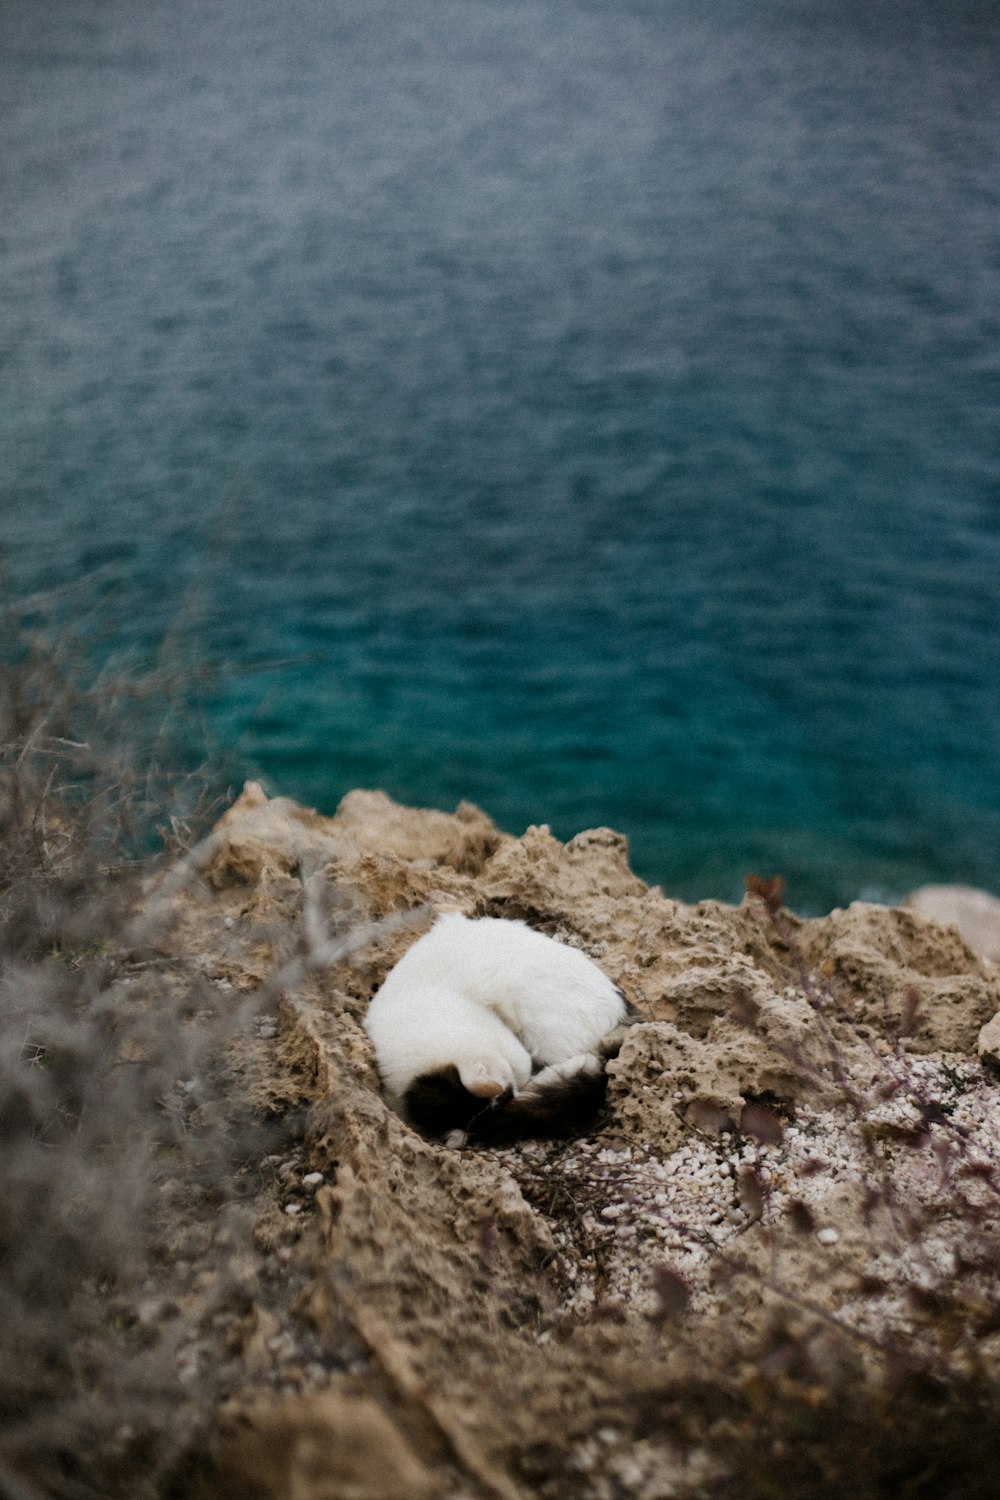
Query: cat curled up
point(488, 1031)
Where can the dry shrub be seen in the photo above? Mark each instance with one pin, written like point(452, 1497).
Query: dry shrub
point(113, 1103)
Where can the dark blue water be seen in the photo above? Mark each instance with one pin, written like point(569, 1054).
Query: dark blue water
point(598, 399)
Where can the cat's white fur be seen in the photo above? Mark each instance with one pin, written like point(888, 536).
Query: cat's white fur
point(496, 1000)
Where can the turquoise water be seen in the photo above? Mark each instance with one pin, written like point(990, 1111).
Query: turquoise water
point(595, 402)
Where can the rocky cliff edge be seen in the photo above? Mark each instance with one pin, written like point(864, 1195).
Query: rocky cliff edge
point(798, 1154)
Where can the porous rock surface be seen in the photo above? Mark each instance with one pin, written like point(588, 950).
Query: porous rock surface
point(975, 913)
point(509, 1323)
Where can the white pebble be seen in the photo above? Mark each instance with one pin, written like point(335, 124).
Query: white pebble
point(828, 1236)
point(312, 1179)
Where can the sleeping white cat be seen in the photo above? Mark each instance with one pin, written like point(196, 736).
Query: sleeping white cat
point(490, 1028)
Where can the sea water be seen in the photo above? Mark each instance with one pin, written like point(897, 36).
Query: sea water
point(583, 407)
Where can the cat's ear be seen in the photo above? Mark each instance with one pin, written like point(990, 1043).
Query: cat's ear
point(477, 1081)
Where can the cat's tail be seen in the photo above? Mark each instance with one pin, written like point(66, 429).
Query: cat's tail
point(560, 1101)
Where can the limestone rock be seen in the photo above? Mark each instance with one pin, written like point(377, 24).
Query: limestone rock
point(989, 1041)
point(975, 914)
point(325, 1447)
point(498, 1308)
